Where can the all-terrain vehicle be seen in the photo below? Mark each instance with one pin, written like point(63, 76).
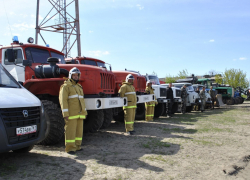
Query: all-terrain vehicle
point(192, 98)
point(177, 98)
point(208, 97)
point(22, 118)
point(160, 95)
point(42, 75)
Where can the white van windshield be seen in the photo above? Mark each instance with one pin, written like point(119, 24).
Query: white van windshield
point(6, 80)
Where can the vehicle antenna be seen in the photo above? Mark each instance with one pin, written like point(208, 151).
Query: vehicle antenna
point(7, 18)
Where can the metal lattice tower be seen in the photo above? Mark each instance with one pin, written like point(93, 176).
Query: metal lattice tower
point(66, 26)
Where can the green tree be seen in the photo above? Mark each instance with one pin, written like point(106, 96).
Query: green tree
point(182, 74)
point(235, 78)
point(218, 79)
point(170, 79)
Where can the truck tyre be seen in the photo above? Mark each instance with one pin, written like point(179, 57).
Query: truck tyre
point(230, 101)
point(159, 110)
point(189, 108)
point(119, 117)
point(175, 108)
point(94, 121)
point(55, 123)
point(23, 150)
point(108, 116)
point(140, 112)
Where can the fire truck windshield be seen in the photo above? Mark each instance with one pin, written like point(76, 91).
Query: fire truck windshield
point(41, 55)
point(154, 80)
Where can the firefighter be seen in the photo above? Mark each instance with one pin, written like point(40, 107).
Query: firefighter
point(150, 106)
point(203, 98)
point(127, 90)
point(73, 110)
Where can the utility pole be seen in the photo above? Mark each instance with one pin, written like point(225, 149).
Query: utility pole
point(66, 24)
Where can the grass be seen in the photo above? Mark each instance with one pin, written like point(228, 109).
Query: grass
point(155, 143)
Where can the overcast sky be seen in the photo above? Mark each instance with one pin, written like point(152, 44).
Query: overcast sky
point(161, 36)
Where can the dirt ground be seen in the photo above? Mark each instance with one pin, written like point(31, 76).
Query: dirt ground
point(210, 145)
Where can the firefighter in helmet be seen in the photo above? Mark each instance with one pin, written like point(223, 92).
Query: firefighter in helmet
point(127, 90)
point(150, 106)
point(73, 110)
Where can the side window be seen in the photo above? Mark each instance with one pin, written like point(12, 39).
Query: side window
point(18, 57)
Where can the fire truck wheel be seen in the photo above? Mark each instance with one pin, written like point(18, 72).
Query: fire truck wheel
point(159, 110)
point(119, 117)
point(23, 150)
point(189, 108)
point(55, 123)
point(108, 116)
point(94, 121)
point(140, 112)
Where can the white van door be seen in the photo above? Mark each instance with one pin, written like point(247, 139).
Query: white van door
point(18, 70)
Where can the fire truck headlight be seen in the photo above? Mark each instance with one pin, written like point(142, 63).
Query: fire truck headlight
point(98, 103)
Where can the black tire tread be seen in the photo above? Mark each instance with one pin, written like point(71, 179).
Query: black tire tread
point(94, 121)
point(108, 117)
point(56, 120)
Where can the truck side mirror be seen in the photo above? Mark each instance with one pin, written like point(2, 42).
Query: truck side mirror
point(27, 63)
point(10, 55)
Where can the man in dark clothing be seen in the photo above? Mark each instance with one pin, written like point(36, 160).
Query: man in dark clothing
point(184, 98)
point(212, 94)
point(170, 96)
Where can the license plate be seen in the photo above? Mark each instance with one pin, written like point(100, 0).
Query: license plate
point(26, 130)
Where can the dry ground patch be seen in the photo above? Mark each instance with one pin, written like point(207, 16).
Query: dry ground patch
point(209, 145)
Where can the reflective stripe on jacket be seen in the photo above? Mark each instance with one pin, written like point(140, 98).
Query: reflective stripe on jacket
point(71, 100)
point(128, 90)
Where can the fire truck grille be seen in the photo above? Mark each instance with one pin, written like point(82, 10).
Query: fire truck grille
point(163, 92)
point(178, 92)
point(107, 81)
point(14, 118)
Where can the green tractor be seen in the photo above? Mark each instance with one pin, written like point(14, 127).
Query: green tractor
point(228, 94)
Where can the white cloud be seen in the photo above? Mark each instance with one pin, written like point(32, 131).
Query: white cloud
point(106, 53)
point(91, 31)
point(242, 58)
point(23, 26)
point(98, 53)
point(211, 40)
point(140, 6)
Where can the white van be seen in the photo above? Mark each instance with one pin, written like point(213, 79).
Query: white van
point(22, 119)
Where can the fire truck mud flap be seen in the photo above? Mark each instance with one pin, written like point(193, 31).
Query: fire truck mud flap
point(219, 100)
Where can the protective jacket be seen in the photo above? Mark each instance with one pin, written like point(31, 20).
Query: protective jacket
point(72, 101)
point(128, 90)
point(150, 90)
